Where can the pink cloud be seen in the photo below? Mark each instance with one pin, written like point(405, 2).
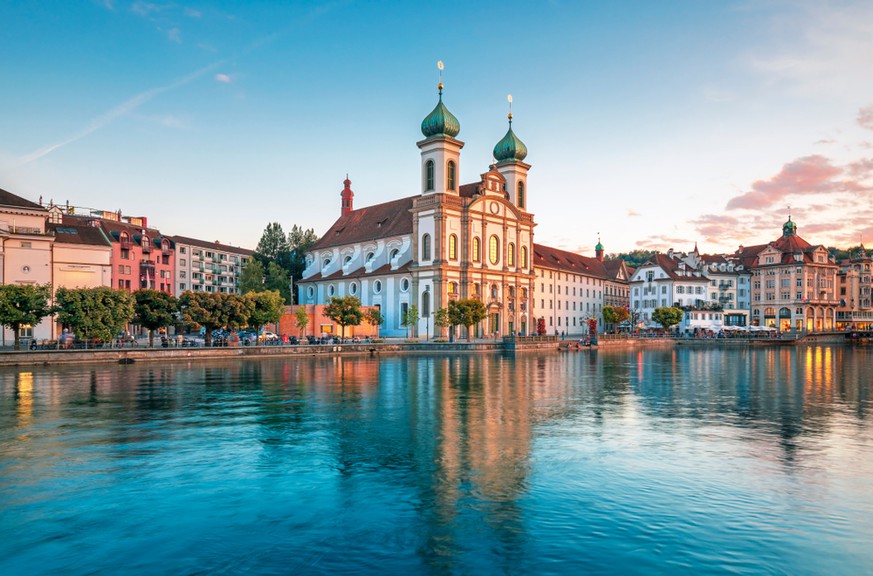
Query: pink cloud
point(865, 117)
point(224, 78)
point(805, 176)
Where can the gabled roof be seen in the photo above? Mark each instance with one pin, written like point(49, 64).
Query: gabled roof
point(114, 229)
point(211, 245)
point(369, 223)
point(9, 199)
point(556, 259)
point(788, 245)
point(670, 266)
point(76, 234)
point(614, 267)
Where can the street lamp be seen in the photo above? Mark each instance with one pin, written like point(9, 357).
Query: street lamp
point(427, 315)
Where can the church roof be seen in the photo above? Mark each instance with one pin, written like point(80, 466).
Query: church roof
point(369, 223)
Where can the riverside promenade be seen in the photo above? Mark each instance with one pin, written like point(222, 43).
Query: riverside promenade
point(142, 353)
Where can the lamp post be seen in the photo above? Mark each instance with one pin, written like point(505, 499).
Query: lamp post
point(427, 315)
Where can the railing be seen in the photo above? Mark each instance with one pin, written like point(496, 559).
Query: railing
point(27, 230)
point(517, 339)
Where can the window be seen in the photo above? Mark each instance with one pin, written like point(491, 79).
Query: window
point(27, 245)
point(450, 179)
point(377, 286)
point(524, 257)
point(521, 195)
point(453, 247)
point(510, 254)
point(183, 250)
point(395, 253)
point(428, 175)
point(331, 290)
point(404, 285)
point(453, 287)
point(425, 247)
point(477, 249)
point(494, 250)
point(346, 260)
point(425, 304)
point(353, 288)
point(370, 256)
point(182, 262)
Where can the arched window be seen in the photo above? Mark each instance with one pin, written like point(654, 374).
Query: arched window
point(521, 195)
point(425, 304)
point(428, 175)
point(450, 179)
point(510, 254)
point(494, 250)
point(453, 247)
point(453, 287)
point(145, 241)
point(477, 249)
point(524, 256)
point(425, 247)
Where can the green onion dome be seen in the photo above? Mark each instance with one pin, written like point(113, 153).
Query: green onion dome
point(599, 246)
point(510, 147)
point(440, 122)
point(789, 228)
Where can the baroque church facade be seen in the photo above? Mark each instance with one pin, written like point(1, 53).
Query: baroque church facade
point(449, 241)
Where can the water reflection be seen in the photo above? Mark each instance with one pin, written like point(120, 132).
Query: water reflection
point(545, 463)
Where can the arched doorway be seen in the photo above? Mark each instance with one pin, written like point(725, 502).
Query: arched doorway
point(784, 319)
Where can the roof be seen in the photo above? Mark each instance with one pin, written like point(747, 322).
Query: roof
point(73, 234)
point(613, 267)
point(9, 199)
point(670, 266)
point(211, 245)
point(114, 229)
point(788, 244)
point(548, 257)
point(369, 223)
point(360, 272)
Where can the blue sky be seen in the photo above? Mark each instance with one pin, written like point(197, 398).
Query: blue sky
point(656, 124)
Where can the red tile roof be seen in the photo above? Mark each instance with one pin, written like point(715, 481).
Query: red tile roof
point(369, 223)
point(547, 257)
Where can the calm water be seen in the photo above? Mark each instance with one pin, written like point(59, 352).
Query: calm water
point(621, 462)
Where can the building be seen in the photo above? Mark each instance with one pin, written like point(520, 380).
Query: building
point(204, 266)
point(448, 241)
point(855, 311)
point(793, 283)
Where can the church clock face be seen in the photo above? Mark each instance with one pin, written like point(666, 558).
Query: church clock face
point(494, 208)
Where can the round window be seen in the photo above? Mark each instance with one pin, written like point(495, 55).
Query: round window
point(353, 288)
point(310, 291)
point(377, 286)
point(404, 285)
point(331, 290)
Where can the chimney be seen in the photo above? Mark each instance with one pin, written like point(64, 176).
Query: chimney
point(347, 197)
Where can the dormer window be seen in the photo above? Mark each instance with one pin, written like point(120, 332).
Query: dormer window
point(347, 260)
point(145, 240)
point(326, 263)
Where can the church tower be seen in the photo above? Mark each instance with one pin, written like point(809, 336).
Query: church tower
point(440, 151)
point(348, 197)
point(509, 153)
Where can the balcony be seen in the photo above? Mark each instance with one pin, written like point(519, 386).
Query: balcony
point(147, 264)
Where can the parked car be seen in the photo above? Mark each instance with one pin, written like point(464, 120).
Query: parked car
point(268, 336)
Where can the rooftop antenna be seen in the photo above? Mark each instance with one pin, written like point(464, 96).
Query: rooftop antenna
point(440, 85)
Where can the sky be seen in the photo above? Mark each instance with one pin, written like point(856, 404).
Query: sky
point(651, 124)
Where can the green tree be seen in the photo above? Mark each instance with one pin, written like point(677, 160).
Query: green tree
point(373, 317)
point(441, 320)
point(467, 312)
point(614, 315)
point(345, 311)
point(667, 316)
point(153, 310)
point(213, 310)
point(633, 258)
point(94, 312)
point(273, 246)
point(410, 319)
point(265, 307)
point(277, 279)
point(301, 319)
point(23, 305)
point(251, 279)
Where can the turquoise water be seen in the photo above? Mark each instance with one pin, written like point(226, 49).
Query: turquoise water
point(719, 461)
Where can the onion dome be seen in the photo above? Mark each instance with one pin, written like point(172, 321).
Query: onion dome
point(599, 246)
point(440, 122)
point(789, 228)
point(510, 147)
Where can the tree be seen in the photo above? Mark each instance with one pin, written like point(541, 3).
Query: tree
point(667, 316)
point(251, 279)
point(265, 307)
point(301, 319)
point(441, 320)
point(94, 312)
point(213, 310)
point(277, 279)
point(345, 311)
point(273, 246)
point(373, 317)
point(633, 258)
point(153, 310)
point(467, 312)
point(22, 305)
point(410, 319)
point(614, 315)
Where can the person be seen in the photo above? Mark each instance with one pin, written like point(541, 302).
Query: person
point(284, 339)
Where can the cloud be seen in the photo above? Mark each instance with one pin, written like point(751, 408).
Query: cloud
point(224, 78)
point(175, 35)
point(865, 117)
point(192, 13)
point(144, 9)
point(805, 176)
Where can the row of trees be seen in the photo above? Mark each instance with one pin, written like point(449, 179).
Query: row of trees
point(279, 260)
point(101, 313)
point(666, 316)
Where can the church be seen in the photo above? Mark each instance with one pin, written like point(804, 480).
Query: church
point(452, 241)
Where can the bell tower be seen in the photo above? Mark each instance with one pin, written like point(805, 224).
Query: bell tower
point(440, 151)
point(509, 153)
point(348, 197)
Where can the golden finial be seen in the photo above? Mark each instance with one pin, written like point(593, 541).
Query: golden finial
point(509, 99)
point(440, 85)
